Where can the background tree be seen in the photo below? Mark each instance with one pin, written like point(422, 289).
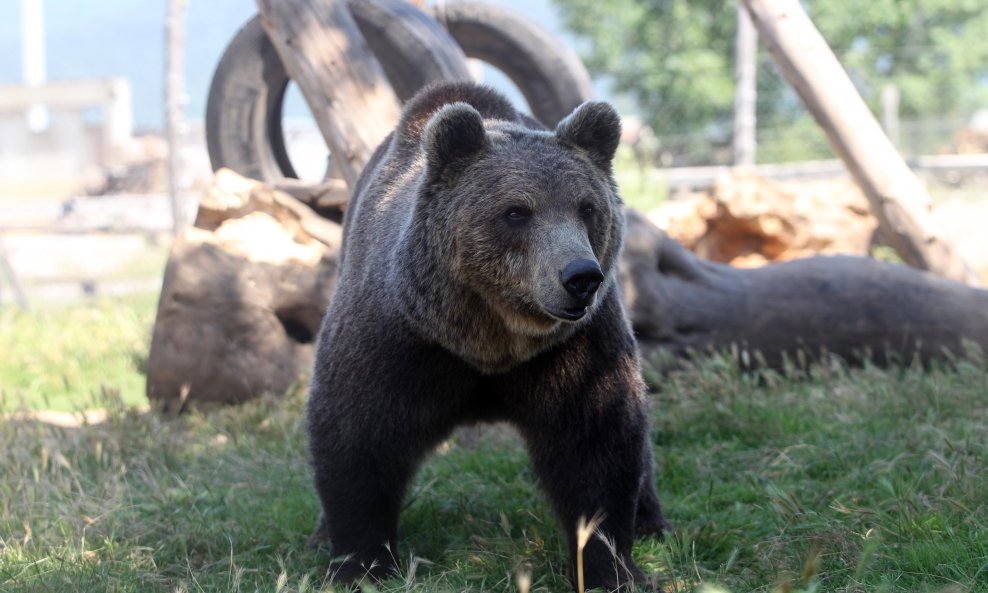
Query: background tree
point(675, 59)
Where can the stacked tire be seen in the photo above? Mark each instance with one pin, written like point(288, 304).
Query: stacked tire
point(244, 111)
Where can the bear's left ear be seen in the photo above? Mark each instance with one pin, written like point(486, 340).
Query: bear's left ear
point(453, 138)
point(594, 127)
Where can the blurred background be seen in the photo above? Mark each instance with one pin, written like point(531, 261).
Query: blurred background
point(84, 182)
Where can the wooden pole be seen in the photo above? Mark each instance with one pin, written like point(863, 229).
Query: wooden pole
point(745, 92)
point(340, 78)
point(898, 199)
point(175, 104)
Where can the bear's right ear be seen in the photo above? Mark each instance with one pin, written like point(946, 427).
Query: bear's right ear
point(453, 138)
point(594, 127)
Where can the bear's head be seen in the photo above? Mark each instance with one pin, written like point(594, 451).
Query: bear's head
point(532, 219)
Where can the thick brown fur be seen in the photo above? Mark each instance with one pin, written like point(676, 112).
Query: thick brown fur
point(478, 283)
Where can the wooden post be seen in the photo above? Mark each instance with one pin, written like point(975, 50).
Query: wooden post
point(341, 80)
point(175, 104)
point(745, 92)
point(898, 198)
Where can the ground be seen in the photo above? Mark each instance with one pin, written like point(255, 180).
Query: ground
point(824, 479)
point(830, 479)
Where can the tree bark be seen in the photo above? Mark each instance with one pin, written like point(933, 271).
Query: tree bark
point(853, 307)
point(322, 48)
point(897, 197)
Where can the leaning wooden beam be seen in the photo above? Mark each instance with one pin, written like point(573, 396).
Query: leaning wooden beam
point(322, 49)
point(898, 199)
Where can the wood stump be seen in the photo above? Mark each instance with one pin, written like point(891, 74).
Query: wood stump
point(243, 296)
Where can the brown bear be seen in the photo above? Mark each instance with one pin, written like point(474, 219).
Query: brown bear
point(478, 283)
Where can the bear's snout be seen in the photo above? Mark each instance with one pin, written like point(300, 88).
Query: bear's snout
point(581, 278)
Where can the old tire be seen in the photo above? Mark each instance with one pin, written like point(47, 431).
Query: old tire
point(551, 76)
point(244, 108)
point(243, 114)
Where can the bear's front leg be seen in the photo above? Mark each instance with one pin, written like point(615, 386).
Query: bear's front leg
point(649, 520)
point(581, 409)
point(371, 420)
point(360, 485)
point(590, 463)
point(596, 475)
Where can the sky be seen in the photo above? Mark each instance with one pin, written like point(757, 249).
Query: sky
point(104, 38)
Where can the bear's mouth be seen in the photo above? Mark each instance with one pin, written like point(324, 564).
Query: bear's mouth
point(570, 313)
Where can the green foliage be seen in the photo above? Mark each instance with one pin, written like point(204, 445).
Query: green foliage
point(935, 51)
point(676, 57)
point(673, 56)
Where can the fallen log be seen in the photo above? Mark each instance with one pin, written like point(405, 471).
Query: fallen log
point(852, 307)
point(246, 288)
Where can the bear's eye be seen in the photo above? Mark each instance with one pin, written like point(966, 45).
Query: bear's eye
point(517, 215)
point(586, 210)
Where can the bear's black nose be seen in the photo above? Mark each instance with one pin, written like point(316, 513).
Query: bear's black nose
point(581, 278)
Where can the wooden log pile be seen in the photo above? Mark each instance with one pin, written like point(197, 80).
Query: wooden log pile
point(246, 287)
point(748, 221)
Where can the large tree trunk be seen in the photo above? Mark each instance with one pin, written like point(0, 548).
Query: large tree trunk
point(848, 306)
point(897, 197)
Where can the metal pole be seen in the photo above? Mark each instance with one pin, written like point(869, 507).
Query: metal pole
point(175, 100)
point(745, 93)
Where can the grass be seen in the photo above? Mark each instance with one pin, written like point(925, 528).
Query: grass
point(828, 479)
point(65, 358)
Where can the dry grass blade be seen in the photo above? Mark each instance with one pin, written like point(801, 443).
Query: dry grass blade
point(584, 530)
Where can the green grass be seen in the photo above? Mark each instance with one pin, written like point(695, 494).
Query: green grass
point(830, 479)
point(64, 358)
